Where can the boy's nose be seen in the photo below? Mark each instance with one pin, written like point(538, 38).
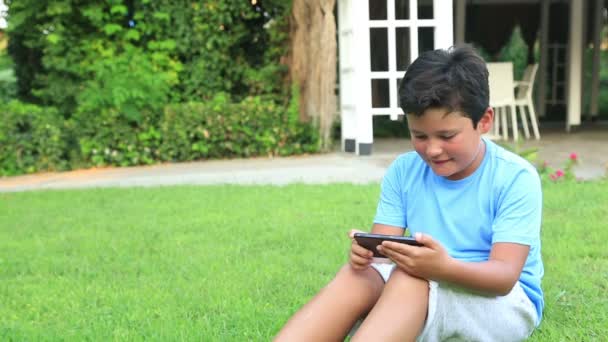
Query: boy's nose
point(433, 149)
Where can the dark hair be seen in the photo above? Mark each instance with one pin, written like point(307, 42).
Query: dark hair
point(455, 79)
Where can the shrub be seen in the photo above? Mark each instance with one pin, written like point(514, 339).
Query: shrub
point(8, 82)
point(516, 51)
point(219, 129)
point(113, 138)
point(127, 84)
point(117, 143)
point(119, 108)
point(565, 173)
point(8, 85)
point(31, 139)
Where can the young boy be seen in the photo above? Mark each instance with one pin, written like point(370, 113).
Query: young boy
point(474, 206)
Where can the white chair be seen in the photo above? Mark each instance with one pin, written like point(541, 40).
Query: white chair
point(502, 98)
point(523, 100)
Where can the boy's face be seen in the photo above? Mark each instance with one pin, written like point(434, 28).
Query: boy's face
point(448, 142)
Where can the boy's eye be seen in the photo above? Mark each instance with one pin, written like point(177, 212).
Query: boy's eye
point(420, 136)
point(447, 137)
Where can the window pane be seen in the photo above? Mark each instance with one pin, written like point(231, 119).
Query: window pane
point(377, 9)
point(378, 42)
point(380, 93)
point(559, 93)
point(425, 9)
point(402, 35)
point(398, 84)
point(402, 9)
point(426, 39)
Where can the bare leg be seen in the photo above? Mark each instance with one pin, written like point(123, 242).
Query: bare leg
point(330, 315)
point(400, 313)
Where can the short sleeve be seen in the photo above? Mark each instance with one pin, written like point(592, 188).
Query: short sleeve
point(519, 211)
point(392, 205)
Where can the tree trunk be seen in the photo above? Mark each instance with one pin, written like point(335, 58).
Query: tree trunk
point(313, 62)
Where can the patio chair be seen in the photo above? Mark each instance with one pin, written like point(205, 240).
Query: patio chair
point(502, 98)
point(523, 100)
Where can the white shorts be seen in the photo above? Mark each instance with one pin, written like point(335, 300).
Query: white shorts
point(456, 314)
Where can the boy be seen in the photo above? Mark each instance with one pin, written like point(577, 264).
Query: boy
point(474, 206)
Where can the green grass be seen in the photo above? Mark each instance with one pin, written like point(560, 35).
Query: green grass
point(227, 263)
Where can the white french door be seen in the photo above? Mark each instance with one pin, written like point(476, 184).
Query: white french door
point(379, 39)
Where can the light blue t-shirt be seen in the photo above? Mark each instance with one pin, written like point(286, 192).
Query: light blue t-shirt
point(500, 202)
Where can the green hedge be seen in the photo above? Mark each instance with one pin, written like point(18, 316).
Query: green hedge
point(31, 139)
point(219, 128)
point(34, 138)
point(112, 139)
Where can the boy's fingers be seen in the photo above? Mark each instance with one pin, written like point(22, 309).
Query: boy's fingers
point(358, 261)
point(351, 233)
point(426, 240)
point(362, 251)
point(394, 246)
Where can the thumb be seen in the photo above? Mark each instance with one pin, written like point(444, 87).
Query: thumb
point(351, 233)
point(426, 240)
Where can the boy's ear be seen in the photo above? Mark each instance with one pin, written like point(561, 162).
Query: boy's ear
point(486, 122)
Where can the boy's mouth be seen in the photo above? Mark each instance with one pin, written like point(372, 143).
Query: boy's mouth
point(440, 162)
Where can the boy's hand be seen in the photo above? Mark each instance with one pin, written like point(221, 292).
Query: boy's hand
point(428, 262)
point(360, 258)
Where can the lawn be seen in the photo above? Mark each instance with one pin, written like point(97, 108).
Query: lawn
point(220, 263)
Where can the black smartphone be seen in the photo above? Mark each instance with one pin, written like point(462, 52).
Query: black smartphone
point(371, 241)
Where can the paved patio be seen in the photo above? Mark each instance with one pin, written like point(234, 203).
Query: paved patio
point(590, 144)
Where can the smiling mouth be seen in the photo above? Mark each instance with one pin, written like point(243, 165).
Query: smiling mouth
point(440, 162)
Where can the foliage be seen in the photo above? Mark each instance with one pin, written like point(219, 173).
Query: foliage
point(220, 128)
point(516, 51)
point(181, 132)
point(156, 263)
point(140, 82)
point(5, 61)
point(546, 172)
point(128, 84)
point(563, 174)
point(113, 139)
point(384, 127)
point(8, 85)
point(204, 47)
point(529, 154)
point(31, 139)
point(603, 78)
point(8, 81)
point(483, 53)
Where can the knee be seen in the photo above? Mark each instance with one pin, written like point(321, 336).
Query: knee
point(367, 277)
point(366, 284)
point(402, 278)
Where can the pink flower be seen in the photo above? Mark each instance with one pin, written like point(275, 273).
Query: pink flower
point(559, 173)
point(553, 177)
point(573, 156)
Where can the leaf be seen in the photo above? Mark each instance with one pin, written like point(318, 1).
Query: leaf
point(110, 29)
point(57, 8)
point(94, 13)
point(132, 35)
point(120, 9)
point(53, 38)
point(161, 16)
point(131, 113)
point(168, 44)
